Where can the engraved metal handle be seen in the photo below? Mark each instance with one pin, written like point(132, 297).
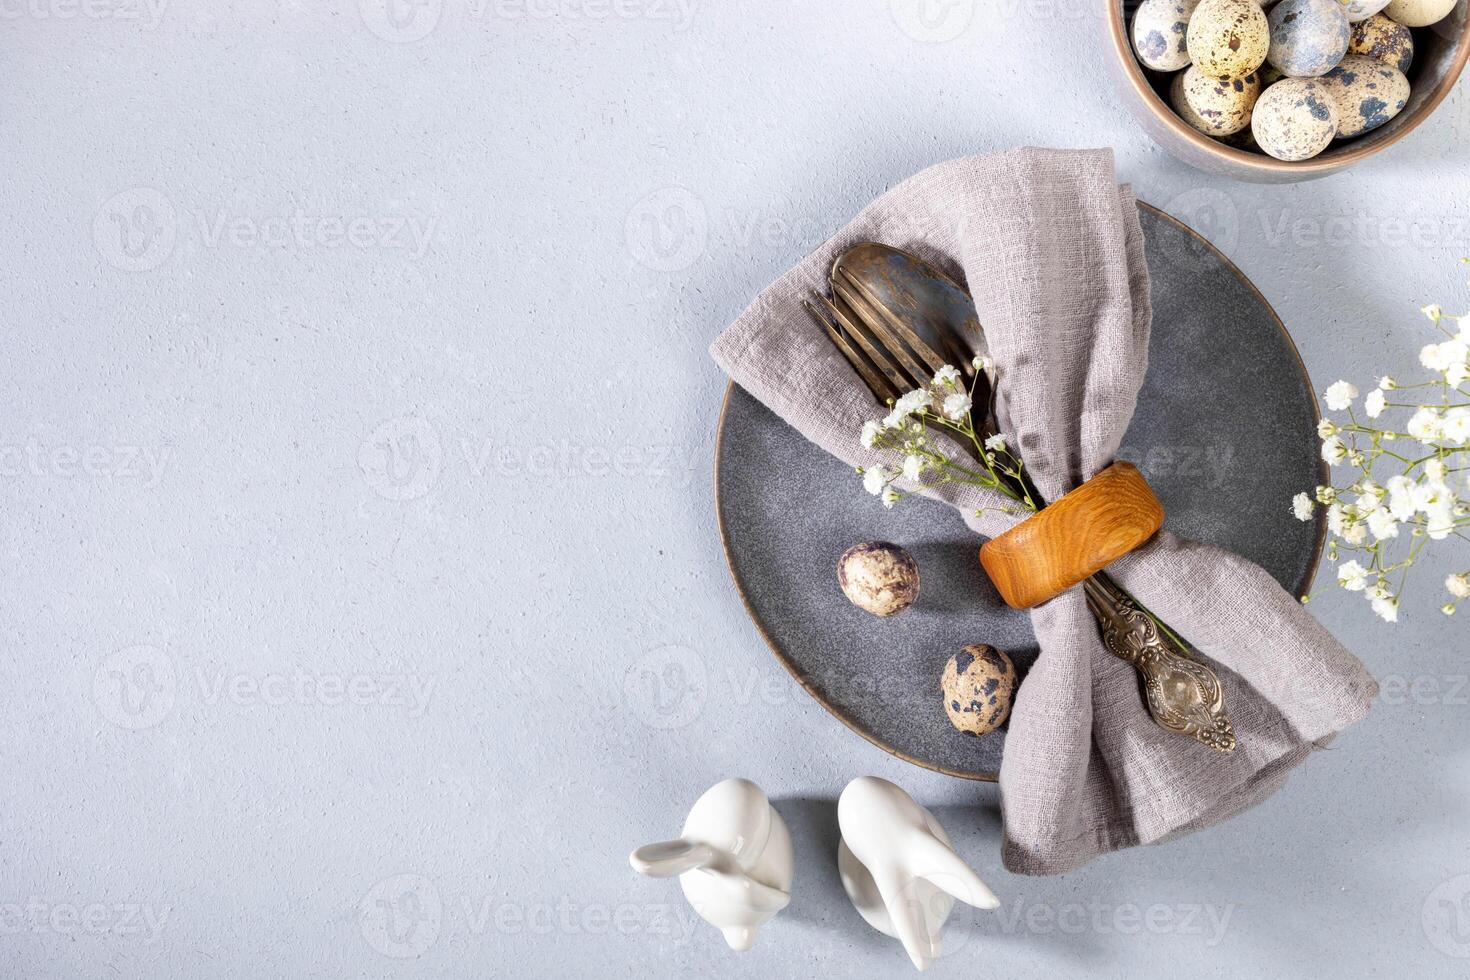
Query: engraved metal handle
point(1183, 695)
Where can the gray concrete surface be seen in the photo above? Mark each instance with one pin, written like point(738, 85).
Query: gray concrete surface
point(357, 513)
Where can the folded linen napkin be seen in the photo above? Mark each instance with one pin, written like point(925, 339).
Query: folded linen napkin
point(1052, 251)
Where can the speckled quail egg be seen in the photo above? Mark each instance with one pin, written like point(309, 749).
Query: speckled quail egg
point(1419, 13)
point(979, 684)
point(1295, 119)
point(1214, 106)
point(1308, 37)
point(879, 577)
point(1368, 93)
point(1228, 38)
point(1388, 41)
point(1160, 28)
point(1357, 10)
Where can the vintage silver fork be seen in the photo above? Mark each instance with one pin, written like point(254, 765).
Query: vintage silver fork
point(1183, 695)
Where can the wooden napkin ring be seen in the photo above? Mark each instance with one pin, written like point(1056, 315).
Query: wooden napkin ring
point(1082, 533)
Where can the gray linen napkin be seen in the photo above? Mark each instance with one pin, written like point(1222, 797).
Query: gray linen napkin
point(1052, 250)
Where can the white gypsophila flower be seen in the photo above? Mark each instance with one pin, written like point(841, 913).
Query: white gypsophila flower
point(1432, 496)
point(1382, 524)
point(1335, 522)
point(913, 467)
point(1401, 497)
point(1459, 585)
point(1387, 609)
point(1456, 426)
point(956, 406)
point(1439, 523)
point(1387, 383)
point(1355, 533)
point(1370, 495)
point(1339, 396)
point(1435, 470)
point(1378, 590)
point(1326, 495)
point(1442, 357)
point(1326, 428)
point(981, 363)
point(1432, 311)
point(1302, 507)
point(875, 478)
point(1334, 451)
point(947, 375)
point(1425, 425)
point(1458, 374)
point(890, 497)
point(870, 434)
point(1352, 576)
point(996, 442)
point(1375, 403)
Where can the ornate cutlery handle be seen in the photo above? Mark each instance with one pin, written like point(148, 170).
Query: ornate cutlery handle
point(1183, 694)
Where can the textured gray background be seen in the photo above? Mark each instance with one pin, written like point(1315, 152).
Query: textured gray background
point(363, 603)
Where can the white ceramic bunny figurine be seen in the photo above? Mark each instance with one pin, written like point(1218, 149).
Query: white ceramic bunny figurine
point(733, 859)
point(899, 867)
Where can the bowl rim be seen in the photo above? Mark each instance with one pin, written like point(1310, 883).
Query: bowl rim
point(1118, 29)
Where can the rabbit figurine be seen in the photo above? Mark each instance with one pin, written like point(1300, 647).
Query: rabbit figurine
point(899, 867)
point(733, 858)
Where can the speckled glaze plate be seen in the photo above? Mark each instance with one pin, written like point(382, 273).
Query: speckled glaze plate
point(1225, 432)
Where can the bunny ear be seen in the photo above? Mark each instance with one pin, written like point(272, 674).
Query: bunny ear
point(671, 857)
point(946, 870)
point(907, 915)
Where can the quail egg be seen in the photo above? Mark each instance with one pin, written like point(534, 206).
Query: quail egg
point(1228, 38)
point(1368, 93)
point(879, 577)
point(1419, 13)
point(979, 684)
point(1213, 106)
point(1308, 37)
point(1362, 9)
point(1160, 28)
point(1295, 119)
point(1390, 42)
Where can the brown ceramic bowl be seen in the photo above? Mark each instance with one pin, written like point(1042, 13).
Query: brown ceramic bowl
point(1440, 53)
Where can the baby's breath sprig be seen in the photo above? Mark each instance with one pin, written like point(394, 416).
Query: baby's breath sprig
point(1407, 484)
point(908, 432)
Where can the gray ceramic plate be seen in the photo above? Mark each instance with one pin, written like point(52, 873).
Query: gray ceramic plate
point(1225, 432)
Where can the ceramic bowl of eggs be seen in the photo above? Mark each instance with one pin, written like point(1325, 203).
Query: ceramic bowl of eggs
point(1281, 90)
